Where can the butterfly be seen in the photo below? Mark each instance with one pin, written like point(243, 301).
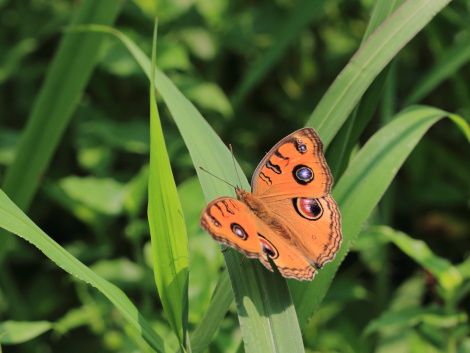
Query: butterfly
point(289, 216)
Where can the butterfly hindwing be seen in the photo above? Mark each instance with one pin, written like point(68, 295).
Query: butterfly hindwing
point(232, 222)
point(314, 224)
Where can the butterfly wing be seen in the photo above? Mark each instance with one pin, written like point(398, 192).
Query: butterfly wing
point(231, 222)
point(295, 167)
point(314, 224)
point(294, 181)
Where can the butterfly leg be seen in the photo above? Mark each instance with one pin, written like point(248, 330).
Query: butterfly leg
point(224, 249)
point(243, 260)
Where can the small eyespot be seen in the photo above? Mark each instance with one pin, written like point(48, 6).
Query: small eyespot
point(304, 174)
point(238, 231)
point(301, 147)
point(216, 222)
point(268, 248)
point(308, 208)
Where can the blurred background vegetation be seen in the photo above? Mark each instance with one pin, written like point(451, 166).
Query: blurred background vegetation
point(92, 198)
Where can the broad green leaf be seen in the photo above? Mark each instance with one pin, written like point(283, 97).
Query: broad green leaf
point(15, 332)
point(14, 220)
point(167, 228)
point(361, 187)
point(265, 310)
point(380, 48)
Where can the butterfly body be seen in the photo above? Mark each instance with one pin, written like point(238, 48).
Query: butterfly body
point(289, 216)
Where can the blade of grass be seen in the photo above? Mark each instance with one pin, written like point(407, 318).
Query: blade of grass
point(447, 275)
point(379, 49)
point(265, 310)
point(267, 316)
point(210, 323)
point(307, 11)
point(452, 60)
point(340, 148)
point(14, 220)
point(57, 100)
point(167, 227)
point(361, 187)
point(15, 332)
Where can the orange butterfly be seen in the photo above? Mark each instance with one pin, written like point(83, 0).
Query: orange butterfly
point(289, 216)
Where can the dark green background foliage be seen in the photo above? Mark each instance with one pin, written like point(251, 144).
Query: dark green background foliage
point(255, 71)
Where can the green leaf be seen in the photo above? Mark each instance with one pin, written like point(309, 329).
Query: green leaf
point(14, 220)
point(381, 47)
point(167, 227)
point(361, 187)
point(411, 316)
point(58, 98)
point(265, 310)
point(307, 11)
point(446, 274)
point(212, 319)
point(339, 151)
point(451, 61)
point(15, 332)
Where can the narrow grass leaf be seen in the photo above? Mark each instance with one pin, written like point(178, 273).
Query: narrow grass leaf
point(361, 187)
point(58, 98)
point(212, 319)
point(15, 332)
point(451, 61)
point(265, 310)
point(446, 274)
point(14, 220)
point(306, 12)
point(339, 151)
point(379, 49)
point(167, 227)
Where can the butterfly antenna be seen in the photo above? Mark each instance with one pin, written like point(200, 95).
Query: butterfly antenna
point(215, 176)
point(235, 165)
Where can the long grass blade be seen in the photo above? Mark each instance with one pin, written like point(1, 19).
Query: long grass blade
point(361, 187)
point(14, 220)
point(450, 62)
point(368, 62)
point(340, 148)
point(57, 100)
point(167, 227)
point(307, 11)
point(265, 310)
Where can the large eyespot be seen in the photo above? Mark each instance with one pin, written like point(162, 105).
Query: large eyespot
point(301, 147)
point(238, 231)
point(268, 248)
point(303, 174)
point(308, 208)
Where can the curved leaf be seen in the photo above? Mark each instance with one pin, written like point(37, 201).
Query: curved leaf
point(14, 220)
point(361, 187)
point(379, 49)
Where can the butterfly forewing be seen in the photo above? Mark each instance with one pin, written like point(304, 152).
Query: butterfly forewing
point(294, 166)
